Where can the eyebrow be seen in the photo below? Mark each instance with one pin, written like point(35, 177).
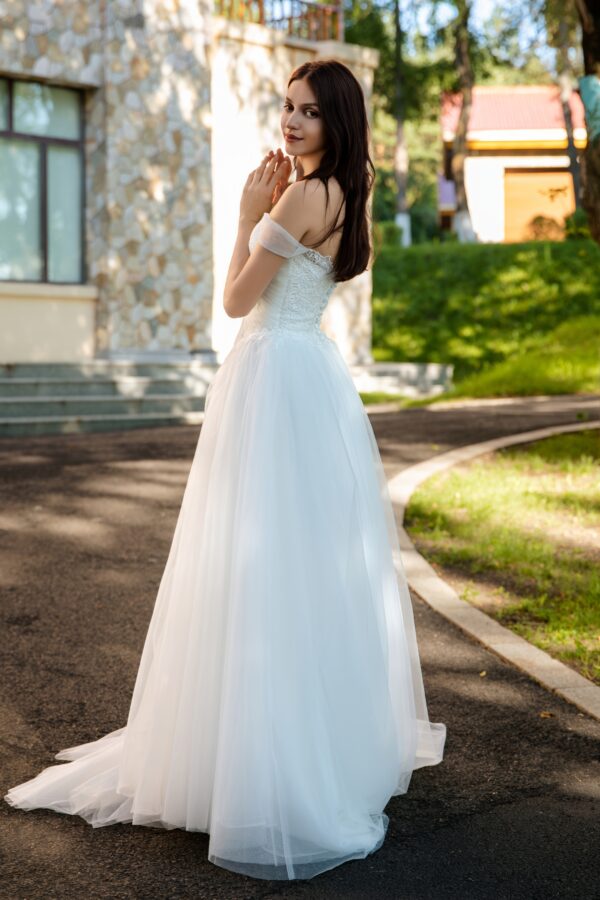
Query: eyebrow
point(303, 104)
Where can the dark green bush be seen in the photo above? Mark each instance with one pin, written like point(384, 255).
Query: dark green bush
point(577, 225)
point(478, 304)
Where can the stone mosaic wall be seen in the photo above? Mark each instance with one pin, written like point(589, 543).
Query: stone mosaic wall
point(148, 206)
point(58, 40)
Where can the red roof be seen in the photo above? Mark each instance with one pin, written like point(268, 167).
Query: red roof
point(512, 107)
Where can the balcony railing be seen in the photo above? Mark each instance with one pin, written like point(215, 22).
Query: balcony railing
point(301, 18)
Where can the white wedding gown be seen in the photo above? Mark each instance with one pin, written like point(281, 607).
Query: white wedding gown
point(279, 701)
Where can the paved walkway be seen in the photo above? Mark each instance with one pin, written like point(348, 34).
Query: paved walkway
point(512, 813)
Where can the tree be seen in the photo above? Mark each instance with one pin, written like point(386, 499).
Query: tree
point(401, 151)
point(462, 219)
point(561, 24)
point(402, 86)
point(562, 33)
point(589, 84)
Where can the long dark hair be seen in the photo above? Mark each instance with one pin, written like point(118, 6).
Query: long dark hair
point(346, 157)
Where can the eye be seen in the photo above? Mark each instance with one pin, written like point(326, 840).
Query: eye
point(315, 116)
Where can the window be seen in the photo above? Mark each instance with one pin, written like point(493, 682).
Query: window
point(41, 183)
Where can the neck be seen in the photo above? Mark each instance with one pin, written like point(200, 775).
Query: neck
point(309, 163)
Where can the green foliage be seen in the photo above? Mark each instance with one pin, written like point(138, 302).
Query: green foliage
point(424, 223)
point(387, 233)
point(577, 225)
point(511, 59)
point(365, 24)
point(384, 195)
point(475, 305)
point(560, 21)
point(425, 160)
point(419, 73)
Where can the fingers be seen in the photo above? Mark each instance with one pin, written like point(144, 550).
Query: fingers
point(278, 167)
point(260, 169)
point(283, 172)
point(273, 166)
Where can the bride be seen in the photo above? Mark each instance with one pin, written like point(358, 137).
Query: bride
point(279, 700)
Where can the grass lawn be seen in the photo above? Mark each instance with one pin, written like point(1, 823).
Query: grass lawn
point(567, 363)
point(513, 319)
point(517, 533)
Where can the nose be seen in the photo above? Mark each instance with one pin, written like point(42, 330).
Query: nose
point(290, 122)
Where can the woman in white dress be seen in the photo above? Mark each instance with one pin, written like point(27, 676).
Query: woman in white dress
point(279, 701)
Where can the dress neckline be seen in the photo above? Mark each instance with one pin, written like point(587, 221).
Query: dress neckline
point(299, 243)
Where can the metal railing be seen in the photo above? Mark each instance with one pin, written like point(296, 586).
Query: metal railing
point(300, 18)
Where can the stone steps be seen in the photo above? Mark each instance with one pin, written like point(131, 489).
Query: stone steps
point(80, 405)
point(19, 427)
point(122, 386)
point(62, 398)
point(101, 395)
point(108, 368)
point(415, 380)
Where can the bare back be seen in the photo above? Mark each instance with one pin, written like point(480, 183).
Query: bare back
point(317, 201)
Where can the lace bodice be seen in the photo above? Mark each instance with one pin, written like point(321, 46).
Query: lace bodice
point(295, 299)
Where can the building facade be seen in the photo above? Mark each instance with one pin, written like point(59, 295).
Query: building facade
point(518, 174)
point(127, 131)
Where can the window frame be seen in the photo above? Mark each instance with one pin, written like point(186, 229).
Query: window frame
point(43, 141)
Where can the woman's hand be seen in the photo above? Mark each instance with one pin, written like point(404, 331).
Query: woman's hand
point(284, 185)
point(265, 185)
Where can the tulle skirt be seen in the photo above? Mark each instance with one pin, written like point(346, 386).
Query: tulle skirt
point(279, 700)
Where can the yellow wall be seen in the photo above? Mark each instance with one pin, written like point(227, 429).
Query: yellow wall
point(46, 323)
point(529, 194)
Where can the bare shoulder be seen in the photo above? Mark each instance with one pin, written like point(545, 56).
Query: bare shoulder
point(292, 211)
point(309, 196)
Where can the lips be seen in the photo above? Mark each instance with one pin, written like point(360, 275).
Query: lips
point(290, 137)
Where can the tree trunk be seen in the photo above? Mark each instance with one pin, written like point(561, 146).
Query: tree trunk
point(462, 220)
point(565, 80)
point(400, 150)
point(589, 14)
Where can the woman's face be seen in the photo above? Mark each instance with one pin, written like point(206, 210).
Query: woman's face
point(301, 118)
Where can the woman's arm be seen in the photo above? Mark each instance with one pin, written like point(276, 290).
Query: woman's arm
point(248, 275)
point(251, 273)
point(240, 256)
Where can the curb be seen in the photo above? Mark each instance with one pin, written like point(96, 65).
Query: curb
point(539, 665)
point(583, 401)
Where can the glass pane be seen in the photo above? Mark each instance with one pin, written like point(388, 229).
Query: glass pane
point(20, 253)
point(3, 103)
point(64, 214)
point(46, 110)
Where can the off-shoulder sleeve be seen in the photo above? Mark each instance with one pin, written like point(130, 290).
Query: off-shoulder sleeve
point(273, 236)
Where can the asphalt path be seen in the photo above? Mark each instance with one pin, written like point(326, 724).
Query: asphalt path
point(86, 523)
